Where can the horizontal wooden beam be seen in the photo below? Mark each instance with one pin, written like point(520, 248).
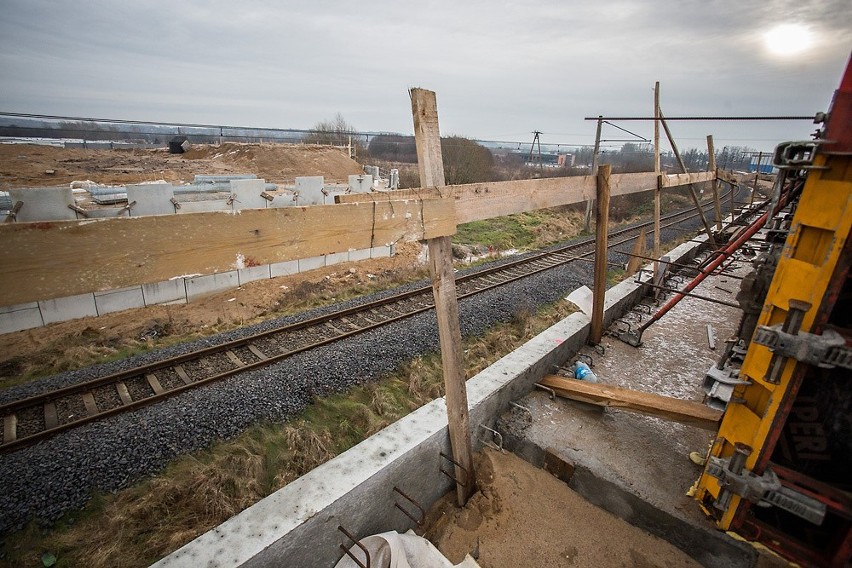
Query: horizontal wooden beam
point(668, 408)
point(40, 261)
point(477, 201)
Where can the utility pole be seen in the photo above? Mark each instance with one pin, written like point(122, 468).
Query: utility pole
point(536, 140)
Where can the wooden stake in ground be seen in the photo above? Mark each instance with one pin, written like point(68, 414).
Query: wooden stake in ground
point(711, 166)
point(424, 109)
point(638, 251)
point(694, 195)
point(601, 222)
point(658, 171)
point(756, 178)
point(588, 219)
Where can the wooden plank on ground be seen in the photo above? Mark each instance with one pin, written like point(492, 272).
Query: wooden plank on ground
point(40, 261)
point(668, 408)
point(10, 428)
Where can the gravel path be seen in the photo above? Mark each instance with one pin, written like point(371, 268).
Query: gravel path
point(45, 480)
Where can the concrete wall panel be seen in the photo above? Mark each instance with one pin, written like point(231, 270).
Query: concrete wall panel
point(362, 254)
point(203, 285)
point(284, 268)
point(310, 189)
point(44, 204)
point(70, 307)
point(164, 292)
point(253, 273)
point(336, 258)
point(198, 206)
point(151, 199)
point(117, 300)
point(312, 263)
point(19, 317)
point(247, 193)
point(362, 183)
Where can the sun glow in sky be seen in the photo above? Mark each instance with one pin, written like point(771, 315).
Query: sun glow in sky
point(788, 39)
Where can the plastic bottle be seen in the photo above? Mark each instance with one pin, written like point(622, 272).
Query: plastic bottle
point(584, 373)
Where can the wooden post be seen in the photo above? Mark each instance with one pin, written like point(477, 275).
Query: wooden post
point(658, 171)
point(424, 109)
point(638, 251)
point(694, 195)
point(711, 166)
point(756, 178)
point(601, 222)
point(594, 172)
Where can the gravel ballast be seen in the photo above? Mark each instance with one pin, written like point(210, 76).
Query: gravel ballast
point(46, 480)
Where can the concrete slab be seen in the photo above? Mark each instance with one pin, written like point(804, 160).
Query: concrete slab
point(361, 183)
point(107, 213)
point(68, 308)
point(151, 199)
point(312, 263)
point(200, 206)
point(336, 258)
point(117, 300)
point(310, 189)
point(203, 285)
point(44, 204)
point(253, 273)
point(362, 254)
point(284, 268)
point(247, 193)
point(20, 317)
point(164, 292)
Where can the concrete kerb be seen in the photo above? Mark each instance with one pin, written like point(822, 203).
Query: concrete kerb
point(298, 523)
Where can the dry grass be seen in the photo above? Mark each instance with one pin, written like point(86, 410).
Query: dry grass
point(138, 525)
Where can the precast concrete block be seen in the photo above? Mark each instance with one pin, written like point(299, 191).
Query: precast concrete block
point(118, 300)
point(44, 204)
point(336, 258)
point(312, 263)
point(202, 206)
point(151, 199)
point(203, 285)
point(19, 317)
point(253, 273)
point(68, 308)
point(380, 252)
point(247, 192)
point(310, 189)
point(361, 183)
point(360, 254)
point(166, 292)
point(287, 268)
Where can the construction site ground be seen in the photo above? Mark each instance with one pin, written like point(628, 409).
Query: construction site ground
point(634, 466)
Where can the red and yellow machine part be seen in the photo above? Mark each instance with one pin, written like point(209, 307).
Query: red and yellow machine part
point(797, 420)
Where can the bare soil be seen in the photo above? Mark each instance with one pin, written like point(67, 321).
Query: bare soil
point(523, 516)
point(30, 165)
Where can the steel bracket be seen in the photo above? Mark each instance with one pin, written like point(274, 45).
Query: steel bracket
point(719, 385)
point(797, 155)
point(765, 490)
point(827, 351)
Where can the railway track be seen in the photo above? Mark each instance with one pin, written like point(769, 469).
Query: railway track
point(29, 420)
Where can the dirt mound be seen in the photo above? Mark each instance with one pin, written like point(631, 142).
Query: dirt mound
point(29, 165)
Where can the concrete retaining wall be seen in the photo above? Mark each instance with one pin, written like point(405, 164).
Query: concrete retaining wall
point(297, 525)
point(176, 291)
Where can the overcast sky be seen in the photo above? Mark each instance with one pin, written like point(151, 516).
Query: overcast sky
point(500, 69)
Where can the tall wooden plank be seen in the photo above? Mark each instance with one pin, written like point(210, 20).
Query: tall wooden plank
point(594, 172)
point(636, 254)
point(424, 109)
point(601, 229)
point(711, 167)
point(684, 170)
point(658, 172)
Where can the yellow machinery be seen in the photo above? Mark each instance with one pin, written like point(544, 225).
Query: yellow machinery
point(780, 469)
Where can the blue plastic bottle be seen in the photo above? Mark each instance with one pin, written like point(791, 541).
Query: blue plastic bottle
point(584, 373)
